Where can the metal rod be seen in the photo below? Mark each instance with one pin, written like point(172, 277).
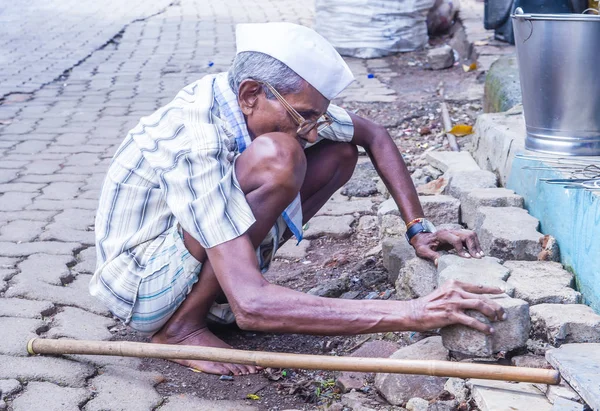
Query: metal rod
point(285, 360)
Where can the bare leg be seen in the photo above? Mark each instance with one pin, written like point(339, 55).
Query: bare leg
point(331, 165)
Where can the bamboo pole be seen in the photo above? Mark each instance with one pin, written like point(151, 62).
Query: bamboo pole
point(285, 360)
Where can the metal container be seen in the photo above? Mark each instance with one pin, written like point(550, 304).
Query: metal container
point(559, 67)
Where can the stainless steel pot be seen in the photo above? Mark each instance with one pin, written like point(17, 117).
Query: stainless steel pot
point(559, 67)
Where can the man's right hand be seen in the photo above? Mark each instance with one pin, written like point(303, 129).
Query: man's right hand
point(447, 305)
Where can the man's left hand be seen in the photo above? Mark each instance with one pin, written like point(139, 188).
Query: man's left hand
point(465, 242)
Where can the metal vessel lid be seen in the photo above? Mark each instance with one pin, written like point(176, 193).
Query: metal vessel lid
point(520, 14)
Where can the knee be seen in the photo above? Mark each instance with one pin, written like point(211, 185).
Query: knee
point(281, 160)
point(348, 156)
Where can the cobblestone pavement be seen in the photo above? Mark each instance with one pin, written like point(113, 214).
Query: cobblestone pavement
point(75, 76)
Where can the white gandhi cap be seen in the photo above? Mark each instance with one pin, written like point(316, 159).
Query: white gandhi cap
point(301, 49)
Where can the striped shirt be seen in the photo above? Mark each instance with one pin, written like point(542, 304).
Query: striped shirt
point(176, 166)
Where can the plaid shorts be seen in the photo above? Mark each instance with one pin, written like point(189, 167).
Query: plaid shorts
point(175, 271)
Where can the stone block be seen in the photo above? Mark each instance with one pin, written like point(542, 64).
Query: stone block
point(397, 389)
point(526, 277)
point(461, 183)
point(16, 332)
point(58, 232)
point(55, 370)
point(50, 397)
point(508, 233)
point(441, 209)
point(565, 323)
point(331, 288)
point(457, 387)
point(485, 271)
point(579, 366)
point(509, 334)
point(330, 226)
point(440, 58)
point(292, 251)
point(125, 389)
point(8, 387)
point(418, 277)
point(562, 404)
point(86, 261)
point(452, 160)
point(487, 197)
point(388, 207)
point(500, 395)
point(417, 404)
point(15, 201)
point(22, 231)
point(562, 390)
point(348, 380)
point(367, 223)
point(50, 269)
point(189, 402)
point(391, 226)
point(530, 361)
point(76, 323)
point(396, 252)
point(502, 85)
point(18, 307)
point(343, 207)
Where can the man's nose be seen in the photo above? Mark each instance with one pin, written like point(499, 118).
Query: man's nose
point(311, 136)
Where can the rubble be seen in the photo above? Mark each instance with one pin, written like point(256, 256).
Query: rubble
point(440, 58)
point(565, 323)
point(418, 277)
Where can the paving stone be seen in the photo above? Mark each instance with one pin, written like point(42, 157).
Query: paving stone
point(508, 233)
point(441, 209)
point(562, 404)
point(397, 389)
point(367, 223)
point(44, 396)
point(440, 58)
point(75, 294)
point(340, 208)
point(461, 183)
point(21, 231)
point(32, 177)
point(396, 253)
point(26, 215)
point(391, 226)
point(86, 261)
point(59, 232)
point(487, 197)
point(451, 160)
point(8, 387)
point(18, 307)
point(417, 404)
point(500, 396)
point(417, 278)
point(530, 361)
point(565, 323)
point(526, 277)
point(47, 247)
point(362, 183)
point(30, 147)
point(60, 205)
point(579, 365)
point(79, 324)
point(485, 271)
point(16, 332)
point(55, 370)
point(60, 191)
point(562, 390)
point(7, 175)
point(51, 269)
point(76, 219)
point(16, 201)
point(119, 388)
point(21, 187)
point(509, 334)
point(348, 380)
point(291, 251)
point(330, 226)
point(188, 402)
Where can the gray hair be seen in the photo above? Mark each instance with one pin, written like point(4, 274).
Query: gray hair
point(262, 67)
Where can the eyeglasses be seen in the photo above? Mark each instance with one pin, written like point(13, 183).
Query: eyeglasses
point(304, 126)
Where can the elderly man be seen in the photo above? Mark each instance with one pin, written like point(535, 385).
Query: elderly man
point(202, 193)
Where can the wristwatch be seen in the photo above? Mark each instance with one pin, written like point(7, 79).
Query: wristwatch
point(419, 225)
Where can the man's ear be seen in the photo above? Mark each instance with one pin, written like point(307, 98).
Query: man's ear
point(248, 95)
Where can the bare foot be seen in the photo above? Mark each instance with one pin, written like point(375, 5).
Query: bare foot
point(204, 337)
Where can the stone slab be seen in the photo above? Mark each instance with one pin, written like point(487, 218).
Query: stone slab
point(418, 277)
point(397, 389)
point(124, 389)
point(579, 365)
point(441, 209)
point(55, 370)
point(45, 396)
point(508, 233)
point(329, 226)
point(565, 323)
point(19, 307)
point(79, 324)
point(343, 207)
point(292, 251)
point(8, 387)
point(451, 160)
point(503, 396)
point(487, 197)
point(562, 404)
point(188, 402)
point(461, 183)
point(16, 332)
point(485, 271)
point(348, 380)
point(396, 252)
point(526, 277)
point(510, 334)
